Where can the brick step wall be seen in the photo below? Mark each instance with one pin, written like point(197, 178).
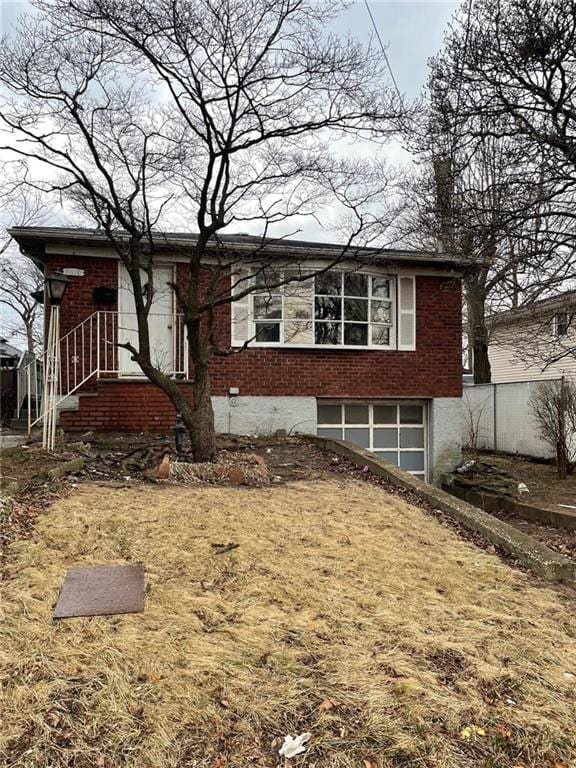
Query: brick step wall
point(124, 406)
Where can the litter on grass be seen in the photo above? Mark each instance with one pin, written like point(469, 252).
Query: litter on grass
point(294, 745)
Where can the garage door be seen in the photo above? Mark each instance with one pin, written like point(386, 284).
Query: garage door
point(394, 431)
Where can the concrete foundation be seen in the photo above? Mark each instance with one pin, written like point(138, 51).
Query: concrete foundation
point(264, 415)
point(444, 436)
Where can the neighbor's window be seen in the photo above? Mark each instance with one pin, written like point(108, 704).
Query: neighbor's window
point(334, 308)
point(561, 324)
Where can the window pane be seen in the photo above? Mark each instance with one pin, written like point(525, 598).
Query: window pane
point(266, 307)
point(385, 414)
point(386, 438)
point(267, 276)
point(391, 456)
point(411, 437)
point(328, 308)
point(380, 335)
point(380, 311)
point(329, 284)
point(298, 333)
point(356, 309)
point(355, 285)
point(329, 413)
point(356, 414)
point(359, 437)
point(296, 308)
point(355, 333)
point(331, 432)
point(327, 333)
point(301, 288)
point(381, 287)
point(413, 462)
point(411, 414)
point(267, 331)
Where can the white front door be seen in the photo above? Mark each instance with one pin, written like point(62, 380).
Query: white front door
point(161, 321)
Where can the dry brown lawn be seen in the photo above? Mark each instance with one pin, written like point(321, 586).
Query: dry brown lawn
point(344, 612)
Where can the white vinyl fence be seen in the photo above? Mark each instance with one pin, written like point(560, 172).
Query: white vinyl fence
point(499, 417)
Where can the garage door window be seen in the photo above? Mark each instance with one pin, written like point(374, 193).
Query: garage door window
point(394, 431)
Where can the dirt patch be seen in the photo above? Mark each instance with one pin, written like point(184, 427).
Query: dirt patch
point(29, 464)
point(545, 489)
point(343, 611)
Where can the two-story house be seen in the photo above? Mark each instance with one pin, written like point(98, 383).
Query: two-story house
point(368, 352)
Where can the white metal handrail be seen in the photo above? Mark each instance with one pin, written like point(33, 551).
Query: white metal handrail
point(90, 350)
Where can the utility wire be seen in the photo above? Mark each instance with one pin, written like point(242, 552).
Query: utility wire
point(383, 49)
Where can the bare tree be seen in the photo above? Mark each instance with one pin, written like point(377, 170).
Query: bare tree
point(553, 406)
point(473, 416)
point(507, 78)
point(21, 313)
point(227, 113)
point(480, 198)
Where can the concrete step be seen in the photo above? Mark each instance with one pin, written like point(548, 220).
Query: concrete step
point(20, 423)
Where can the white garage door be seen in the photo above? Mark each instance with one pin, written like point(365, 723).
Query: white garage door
point(394, 431)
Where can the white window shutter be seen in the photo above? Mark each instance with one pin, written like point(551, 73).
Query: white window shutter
point(240, 309)
point(407, 313)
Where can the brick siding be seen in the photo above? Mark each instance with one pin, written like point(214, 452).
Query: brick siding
point(433, 370)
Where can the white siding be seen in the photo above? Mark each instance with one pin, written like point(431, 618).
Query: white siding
point(509, 364)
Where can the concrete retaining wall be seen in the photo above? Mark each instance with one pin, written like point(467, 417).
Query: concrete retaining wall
point(490, 502)
point(543, 561)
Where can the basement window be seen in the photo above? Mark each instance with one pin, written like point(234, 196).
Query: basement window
point(394, 431)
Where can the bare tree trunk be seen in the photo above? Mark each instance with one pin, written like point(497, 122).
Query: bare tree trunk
point(478, 332)
point(561, 453)
point(30, 337)
point(201, 426)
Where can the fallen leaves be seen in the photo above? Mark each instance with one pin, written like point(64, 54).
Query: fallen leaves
point(470, 731)
point(328, 704)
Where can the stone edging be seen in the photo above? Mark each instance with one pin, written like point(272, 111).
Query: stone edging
point(491, 502)
point(543, 561)
point(64, 469)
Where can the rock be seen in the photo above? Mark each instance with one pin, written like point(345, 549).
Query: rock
point(280, 433)
point(65, 469)
point(164, 468)
point(259, 460)
point(236, 476)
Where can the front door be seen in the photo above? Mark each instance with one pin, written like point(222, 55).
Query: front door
point(160, 320)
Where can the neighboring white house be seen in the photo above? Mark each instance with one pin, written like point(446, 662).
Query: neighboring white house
point(534, 343)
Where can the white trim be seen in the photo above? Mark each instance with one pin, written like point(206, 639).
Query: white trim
point(411, 268)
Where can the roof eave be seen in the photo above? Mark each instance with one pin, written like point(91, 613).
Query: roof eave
point(32, 243)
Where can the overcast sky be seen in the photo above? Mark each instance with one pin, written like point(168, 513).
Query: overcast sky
point(412, 30)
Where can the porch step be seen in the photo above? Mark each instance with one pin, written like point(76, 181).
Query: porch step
point(19, 423)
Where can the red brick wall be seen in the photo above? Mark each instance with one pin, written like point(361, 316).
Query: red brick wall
point(433, 370)
point(125, 406)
